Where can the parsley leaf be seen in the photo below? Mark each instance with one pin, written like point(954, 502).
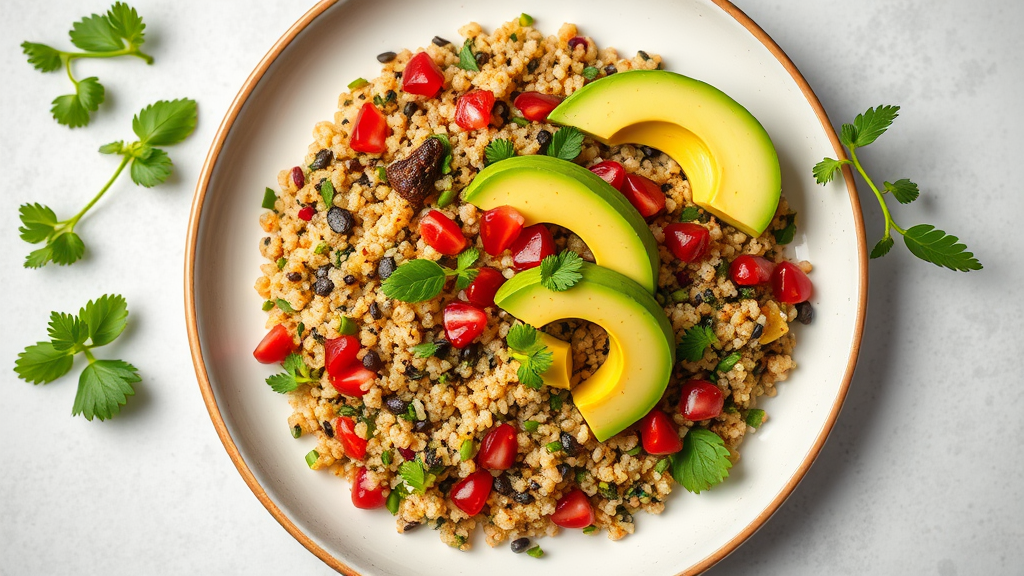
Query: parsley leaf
point(295, 374)
point(785, 234)
point(416, 477)
point(825, 170)
point(566, 143)
point(498, 150)
point(464, 274)
point(867, 127)
point(152, 169)
point(41, 363)
point(903, 190)
point(66, 331)
point(689, 214)
point(424, 350)
point(41, 56)
point(73, 110)
point(559, 272)
point(695, 341)
point(703, 462)
point(467, 61)
point(415, 281)
point(95, 34)
point(103, 388)
point(883, 247)
point(533, 356)
point(165, 122)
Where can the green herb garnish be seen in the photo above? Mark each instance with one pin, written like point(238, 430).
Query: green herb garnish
point(702, 463)
point(746, 292)
point(555, 402)
point(320, 248)
point(531, 426)
point(634, 451)
point(419, 280)
point(467, 61)
point(269, 197)
point(284, 305)
point(467, 450)
point(395, 499)
point(327, 192)
point(386, 458)
point(559, 272)
point(346, 410)
point(446, 160)
point(281, 263)
point(296, 431)
point(695, 341)
point(424, 350)
point(785, 234)
point(924, 240)
point(754, 417)
point(358, 83)
point(295, 374)
point(534, 357)
point(535, 552)
point(382, 175)
point(498, 150)
point(514, 37)
point(268, 305)
point(566, 143)
point(591, 72)
point(662, 465)
point(689, 214)
point(416, 477)
point(311, 457)
point(553, 447)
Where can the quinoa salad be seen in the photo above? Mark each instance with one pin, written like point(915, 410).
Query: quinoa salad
point(425, 404)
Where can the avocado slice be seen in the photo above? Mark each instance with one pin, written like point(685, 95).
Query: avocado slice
point(641, 349)
point(546, 189)
point(725, 152)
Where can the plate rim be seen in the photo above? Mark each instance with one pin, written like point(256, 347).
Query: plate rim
point(206, 388)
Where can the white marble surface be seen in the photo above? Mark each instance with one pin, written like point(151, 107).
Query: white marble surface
point(922, 474)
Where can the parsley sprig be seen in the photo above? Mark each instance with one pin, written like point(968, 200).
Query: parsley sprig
point(296, 373)
point(104, 385)
point(119, 32)
point(695, 341)
point(467, 60)
point(702, 463)
point(559, 272)
point(534, 357)
point(420, 279)
point(159, 124)
point(566, 143)
point(498, 150)
point(924, 240)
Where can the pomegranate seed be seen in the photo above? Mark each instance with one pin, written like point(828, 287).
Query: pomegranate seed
point(298, 177)
point(306, 213)
point(407, 454)
point(577, 41)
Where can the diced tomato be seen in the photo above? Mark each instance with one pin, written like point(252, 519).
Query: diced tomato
point(339, 354)
point(658, 435)
point(688, 241)
point(470, 494)
point(442, 233)
point(275, 346)
point(366, 494)
point(499, 228)
point(574, 510)
point(306, 213)
point(463, 323)
point(370, 131)
point(790, 284)
point(611, 172)
point(533, 245)
point(482, 289)
point(499, 448)
point(473, 109)
point(354, 380)
point(345, 432)
point(701, 400)
point(422, 76)
point(644, 195)
point(536, 106)
point(749, 270)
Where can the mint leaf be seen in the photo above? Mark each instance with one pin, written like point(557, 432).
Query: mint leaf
point(73, 110)
point(415, 281)
point(935, 246)
point(702, 463)
point(559, 272)
point(151, 170)
point(41, 363)
point(106, 318)
point(467, 61)
point(467, 258)
point(166, 122)
point(695, 341)
point(903, 190)
point(103, 388)
point(498, 150)
point(566, 143)
point(41, 56)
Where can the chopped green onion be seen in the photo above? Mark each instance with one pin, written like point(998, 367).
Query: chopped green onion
point(281, 262)
point(662, 465)
point(296, 431)
point(531, 425)
point(521, 121)
point(755, 417)
point(347, 326)
point(320, 248)
point(269, 197)
point(728, 362)
point(555, 446)
point(311, 457)
point(385, 458)
point(525, 19)
point(466, 450)
point(634, 451)
point(590, 529)
point(394, 500)
point(446, 198)
point(268, 305)
point(357, 83)
point(535, 552)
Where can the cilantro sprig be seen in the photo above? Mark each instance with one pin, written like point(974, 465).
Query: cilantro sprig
point(498, 150)
point(695, 341)
point(534, 357)
point(566, 143)
point(419, 280)
point(119, 32)
point(924, 240)
point(467, 60)
point(104, 385)
point(296, 373)
point(702, 463)
point(559, 272)
point(159, 124)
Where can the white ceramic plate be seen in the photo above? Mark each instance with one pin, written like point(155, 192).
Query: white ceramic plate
point(269, 127)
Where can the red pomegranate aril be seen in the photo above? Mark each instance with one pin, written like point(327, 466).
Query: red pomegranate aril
point(473, 109)
point(345, 431)
point(422, 76)
point(370, 131)
point(701, 400)
point(482, 289)
point(574, 510)
point(498, 449)
point(463, 323)
point(407, 454)
point(611, 172)
point(366, 494)
point(577, 41)
point(644, 195)
point(533, 245)
point(499, 228)
point(275, 346)
point(658, 435)
point(306, 213)
point(354, 380)
point(687, 241)
point(298, 178)
point(339, 354)
point(470, 494)
point(442, 233)
point(750, 270)
point(790, 285)
point(536, 106)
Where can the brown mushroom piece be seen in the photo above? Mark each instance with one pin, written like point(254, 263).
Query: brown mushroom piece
point(413, 177)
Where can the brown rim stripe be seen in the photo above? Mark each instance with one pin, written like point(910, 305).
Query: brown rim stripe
point(200, 365)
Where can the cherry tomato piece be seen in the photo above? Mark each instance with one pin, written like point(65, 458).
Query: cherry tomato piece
point(366, 494)
point(701, 400)
point(463, 323)
point(749, 270)
point(688, 242)
point(790, 284)
point(473, 109)
point(470, 494)
point(499, 228)
point(345, 432)
point(422, 76)
point(306, 213)
point(354, 380)
point(658, 435)
point(611, 172)
point(644, 195)
point(533, 245)
point(482, 289)
point(499, 448)
point(574, 510)
point(442, 233)
point(275, 346)
point(369, 131)
point(339, 354)
point(536, 106)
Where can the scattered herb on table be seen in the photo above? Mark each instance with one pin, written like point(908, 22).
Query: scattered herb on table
point(419, 280)
point(559, 272)
point(534, 357)
point(702, 463)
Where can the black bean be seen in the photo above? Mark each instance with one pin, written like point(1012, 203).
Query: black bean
point(420, 425)
point(501, 111)
point(515, 94)
point(482, 58)
point(293, 276)
point(543, 138)
point(410, 108)
point(266, 241)
point(431, 458)
point(395, 405)
point(445, 485)
point(322, 160)
point(666, 187)
point(375, 312)
point(322, 271)
point(438, 41)
point(328, 429)
point(707, 321)
point(649, 152)
point(340, 220)
point(698, 299)
point(323, 287)
point(502, 485)
point(443, 346)
point(372, 361)
point(610, 69)
point(564, 469)
point(520, 545)
point(317, 336)
point(385, 267)
point(643, 55)
point(385, 57)
point(349, 280)
point(410, 526)
point(534, 485)
point(364, 180)
point(569, 444)
point(523, 498)
point(398, 75)
point(758, 330)
point(353, 165)
point(470, 353)
point(804, 313)
point(531, 66)
point(414, 374)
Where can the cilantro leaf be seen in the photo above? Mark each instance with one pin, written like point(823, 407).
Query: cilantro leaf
point(559, 272)
point(446, 160)
point(695, 341)
point(152, 169)
point(415, 281)
point(73, 110)
point(689, 214)
point(498, 150)
point(465, 275)
point(703, 462)
point(867, 127)
point(424, 350)
point(935, 246)
point(296, 373)
point(416, 477)
point(326, 193)
point(903, 190)
point(883, 247)
point(785, 234)
point(826, 170)
point(467, 258)
point(64, 249)
point(165, 122)
point(566, 143)
point(66, 331)
point(95, 34)
point(41, 363)
point(127, 24)
point(38, 222)
point(521, 337)
point(106, 318)
point(467, 61)
point(41, 56)
point(533, 356)
point(103, 388)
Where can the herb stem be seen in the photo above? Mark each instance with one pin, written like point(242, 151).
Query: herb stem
point(67, 66)
point(88, 355)
point(889, 222)
point(129, 51)
point(70, 224)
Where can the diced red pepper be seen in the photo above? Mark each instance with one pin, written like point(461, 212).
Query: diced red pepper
point(442, 233)
point(687, 241)
point(473, 109)
point(275, 346)
point(533, 245)
point(536, 106)
point(339, 354)
point(345, 432)
point(306, 213)
point(644, 195)
point(499, 228)
point(463, 323)
point(370, 131)
point(422, 76)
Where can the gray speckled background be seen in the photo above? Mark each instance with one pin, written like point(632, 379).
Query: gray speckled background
point(922, 474)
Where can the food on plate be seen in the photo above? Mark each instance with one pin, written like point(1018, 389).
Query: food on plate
point(488, 318)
